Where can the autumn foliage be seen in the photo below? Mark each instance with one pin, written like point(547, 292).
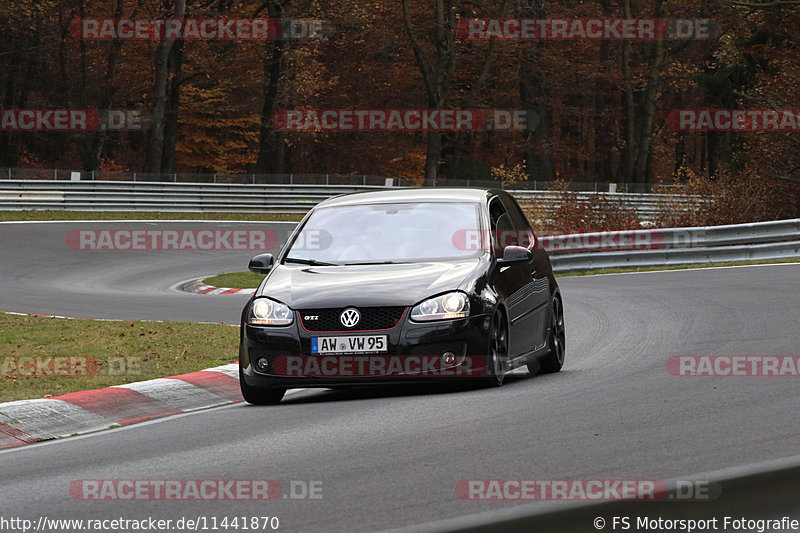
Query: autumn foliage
point(601, 104)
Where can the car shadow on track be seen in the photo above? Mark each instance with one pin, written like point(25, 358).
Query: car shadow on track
point(395, 391)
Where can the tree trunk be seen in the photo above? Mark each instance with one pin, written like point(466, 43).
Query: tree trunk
point(173, 105)
point(539, 166)
point(92, 144)
point(8, 152)
point(436, 76)
point(643, 156)
point(155, 150)
point(271, 144)
point(628, 161)
point(433, 153)
point(474, 91)
point(533, 94)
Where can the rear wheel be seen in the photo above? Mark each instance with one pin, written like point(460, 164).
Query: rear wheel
point(498, 351)
point(258, 396)
point(556, 340)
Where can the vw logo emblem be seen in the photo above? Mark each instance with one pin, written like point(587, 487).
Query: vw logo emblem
point(350, 317)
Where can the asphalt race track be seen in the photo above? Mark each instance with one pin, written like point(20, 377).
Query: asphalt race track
point(42, 273)
point(392, 458)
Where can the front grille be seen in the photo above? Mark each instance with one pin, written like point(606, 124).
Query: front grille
point(372, 318)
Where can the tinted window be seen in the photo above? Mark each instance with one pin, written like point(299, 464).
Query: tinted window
point(407, 232)
point(524, 234)
point(503, 230)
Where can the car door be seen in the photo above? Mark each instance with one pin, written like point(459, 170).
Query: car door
point(538, 293)
point(513, 283)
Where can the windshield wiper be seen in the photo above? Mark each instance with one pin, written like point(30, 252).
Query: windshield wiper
point(387, 262)
point(312, 262)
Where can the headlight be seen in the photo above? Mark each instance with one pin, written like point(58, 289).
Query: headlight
point(270, 313)
point(444, 307)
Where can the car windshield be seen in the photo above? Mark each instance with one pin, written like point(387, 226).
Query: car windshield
point(385, 233)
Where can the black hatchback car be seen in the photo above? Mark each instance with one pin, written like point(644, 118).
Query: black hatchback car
point(402, 286)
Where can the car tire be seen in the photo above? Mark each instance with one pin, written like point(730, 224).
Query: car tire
point(258, 396)
point(556, 339)
point(498, 351)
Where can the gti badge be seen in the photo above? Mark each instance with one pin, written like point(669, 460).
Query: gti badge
point(350, 317)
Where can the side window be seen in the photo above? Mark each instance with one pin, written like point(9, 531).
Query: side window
point(502, 227)
point(524, 235)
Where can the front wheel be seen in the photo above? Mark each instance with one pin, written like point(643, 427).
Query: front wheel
point(498, 351)
point(258, 396)
point(556, 340)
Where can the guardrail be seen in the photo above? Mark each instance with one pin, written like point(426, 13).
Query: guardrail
point(640, 248)
point(319, 179)
point(646, 205)
point(83, 195)
point(167, 197)
point(674, 247)
point(55, 174)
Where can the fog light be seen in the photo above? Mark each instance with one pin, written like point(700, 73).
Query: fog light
point(448, 358)
point(262, 364)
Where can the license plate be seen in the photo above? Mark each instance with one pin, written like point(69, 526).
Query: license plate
point(359, 344)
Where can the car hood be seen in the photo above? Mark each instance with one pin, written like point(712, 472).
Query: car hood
point(314, 287)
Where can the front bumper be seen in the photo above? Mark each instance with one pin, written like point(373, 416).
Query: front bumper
point(466, 338)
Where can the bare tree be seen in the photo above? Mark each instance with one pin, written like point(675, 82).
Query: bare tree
point(271, 141)
point(155, 152)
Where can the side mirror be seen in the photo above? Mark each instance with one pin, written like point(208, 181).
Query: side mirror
point(261, 264)
point(515, 254)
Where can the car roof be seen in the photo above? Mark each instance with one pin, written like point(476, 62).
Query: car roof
point(401, 195)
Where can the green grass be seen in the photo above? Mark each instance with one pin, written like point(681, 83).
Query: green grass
point(676, 267)
point(48, 215)
point(236, 280)
point(113, 353)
